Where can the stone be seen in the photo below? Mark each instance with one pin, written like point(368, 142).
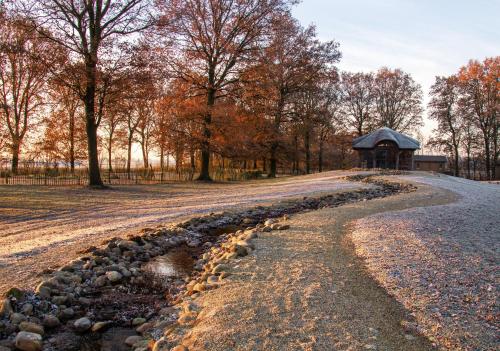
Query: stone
point(212, 279)
point(141, 329)
point(4, 348)
point(27, 341)
point(27, 309)
point(59, 300)
point(44, 292)
point(82, 324)
point(138, 321)
point(127, 245)
point(66, 313)
point(100, 326)
point(224, 275)
point(284, 227)
point(187, 318)
point(31, 327)
point(219, 268)
point(162, 344)
point(17, 318)
point(114, 276)
point(180, 348)
point(199, 287)
point(15, 292)
point(270, 221)
point(100, 281)
point(267, 229)
point(6, 308)
point(133, 339)
point(50, 321)
point(240, 250)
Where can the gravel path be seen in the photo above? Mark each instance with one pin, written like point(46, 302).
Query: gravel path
point(43, 227)
point(305, 289)
point(442, 262)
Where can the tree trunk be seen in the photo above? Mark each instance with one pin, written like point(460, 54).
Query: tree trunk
point(273, 161)
point(110, 164)
point(307, 146)
point(91, 126)
point(129, 155)
point(72, 142)
point(320, 156)
point(161, 162)
point(145, 157)
point(264, 164)
point(457, 170)
point(205, 144)
point(16, 146)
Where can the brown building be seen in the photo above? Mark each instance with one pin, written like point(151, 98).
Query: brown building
point(386, 148)
point(430, 163)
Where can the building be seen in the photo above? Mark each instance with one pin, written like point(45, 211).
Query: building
point(430, 163)
point(386, 148)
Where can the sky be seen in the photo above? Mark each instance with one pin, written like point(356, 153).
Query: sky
point(422, 37)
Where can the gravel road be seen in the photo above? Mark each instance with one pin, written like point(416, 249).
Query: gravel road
point(442, 262)
point(305, 289)
point(42, 227)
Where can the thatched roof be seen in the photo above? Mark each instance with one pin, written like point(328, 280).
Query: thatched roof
point(369, 141)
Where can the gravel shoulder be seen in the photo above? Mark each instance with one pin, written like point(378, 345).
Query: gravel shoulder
point(442, 262)
point(305, 289)
point(45, 227)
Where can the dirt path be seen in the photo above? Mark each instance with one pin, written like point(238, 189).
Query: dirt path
point(42, 227)
point(305, 289)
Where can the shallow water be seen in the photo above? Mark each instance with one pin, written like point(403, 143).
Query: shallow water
point(176, 263)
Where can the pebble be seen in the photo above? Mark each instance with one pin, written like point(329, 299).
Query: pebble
point(31, 327)
point(131, 340)
point(114, 276)
point(138, 321)
point(6, 308)
point(100, 326)
point(82, 324)
point(17, 318)
point(27, 341)
point(50, 321)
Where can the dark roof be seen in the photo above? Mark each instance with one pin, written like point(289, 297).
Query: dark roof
point(429, 158)
point(369, 141)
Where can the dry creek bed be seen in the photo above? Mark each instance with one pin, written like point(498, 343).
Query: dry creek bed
point(127, 294)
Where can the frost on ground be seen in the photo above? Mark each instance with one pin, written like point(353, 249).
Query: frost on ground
point(442, 262)
point(42, 227)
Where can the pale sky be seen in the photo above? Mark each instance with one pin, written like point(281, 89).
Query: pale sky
point(422, 37)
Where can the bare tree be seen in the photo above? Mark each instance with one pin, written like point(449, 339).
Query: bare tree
point(358, 100)
point(89, 29)
point(398, 100)
point(445, 109)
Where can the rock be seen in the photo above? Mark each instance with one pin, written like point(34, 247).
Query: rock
point(27, 309)
point(133, 339)
point(50, 321)
point(180, 348)
point(127, 245)
point(17, 318)
point(240, 250)
point(284, 227)
point(6, 308)
point(44, 292)
point(15, 292)
point(270, 221)
point(100, 326)
point(84, 301)
point(27, 341)
point(82, 324)
point(187, 318)
point(162, 344)
point(31, 327)
point(59, 300)
point(219, 268)
point(267, 229)
point(144, 328)
point(66, 313)
point(224, 275)
point(138, 321)
point(100, 281)
point(4, 348)
point(212, 279)
point(114, 276)
point(199, 287)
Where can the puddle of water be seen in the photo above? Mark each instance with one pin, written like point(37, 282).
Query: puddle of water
point(176, 263)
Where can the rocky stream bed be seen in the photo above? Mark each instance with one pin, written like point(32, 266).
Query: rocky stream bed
point(130, 294)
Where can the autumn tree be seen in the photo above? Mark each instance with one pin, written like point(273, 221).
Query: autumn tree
point(480, 89)
point(445, 109)
point(358, 100)
point(293, 59)
point(214, 39)
point(90, 31)
point(398, 100)
point(25, 66)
